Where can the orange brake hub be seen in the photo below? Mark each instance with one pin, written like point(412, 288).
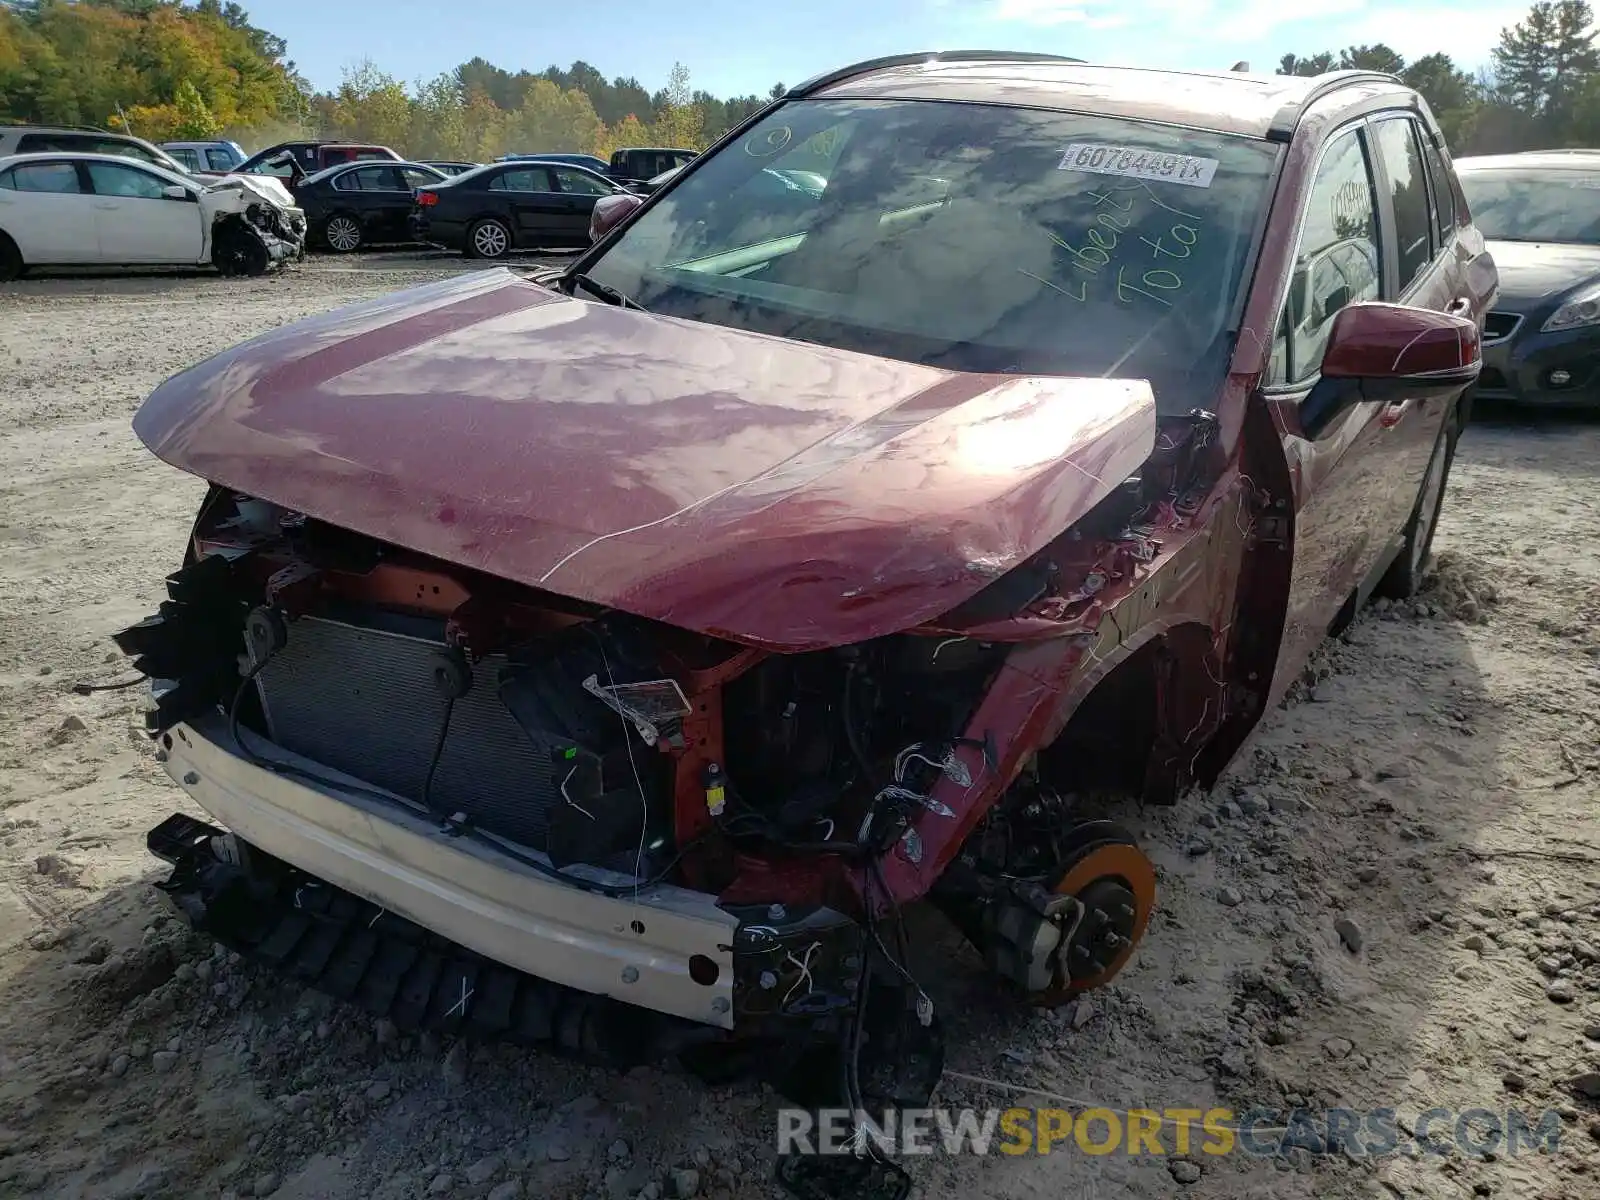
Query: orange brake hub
point(1116, 886)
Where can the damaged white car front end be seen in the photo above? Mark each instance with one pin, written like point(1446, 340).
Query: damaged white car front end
point(252, 224)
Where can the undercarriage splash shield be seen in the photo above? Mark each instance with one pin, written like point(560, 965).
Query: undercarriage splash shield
point(337, 943)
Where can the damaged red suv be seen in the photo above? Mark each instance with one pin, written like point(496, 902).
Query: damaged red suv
point(606, 658)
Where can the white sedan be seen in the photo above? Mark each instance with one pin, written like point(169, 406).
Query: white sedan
point(64, 209)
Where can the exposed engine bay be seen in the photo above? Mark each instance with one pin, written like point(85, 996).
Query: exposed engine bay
point(813, 794)
point(587, 735)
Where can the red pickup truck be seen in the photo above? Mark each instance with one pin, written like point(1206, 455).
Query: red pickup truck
point(293, 160)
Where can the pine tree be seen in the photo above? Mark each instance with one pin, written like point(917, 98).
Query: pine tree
point(1371, 58)
point(1316, 64)
point(1541, 62)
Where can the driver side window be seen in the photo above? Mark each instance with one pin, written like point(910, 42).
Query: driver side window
point(1337, 261)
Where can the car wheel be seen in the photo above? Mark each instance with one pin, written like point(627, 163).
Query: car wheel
point(1404, 576)
point(11, 264)
point(488, 239)
point(238, 253)
point(342, 233)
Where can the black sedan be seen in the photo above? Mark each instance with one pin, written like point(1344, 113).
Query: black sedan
point(361, 203)
point(510, 206)
point(1540, 212)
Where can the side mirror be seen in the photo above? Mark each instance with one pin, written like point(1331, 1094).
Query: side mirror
point(177, 192)
point(611, 211)
point(1389, 352)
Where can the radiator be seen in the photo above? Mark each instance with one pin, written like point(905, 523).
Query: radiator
point(363, 701)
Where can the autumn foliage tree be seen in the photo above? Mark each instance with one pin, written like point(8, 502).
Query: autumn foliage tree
point(201, 68)
point(84, 62)
point(476, 113)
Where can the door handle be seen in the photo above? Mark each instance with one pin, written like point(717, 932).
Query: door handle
point(111, 204)
point(1393, 412)
point(1461, 306)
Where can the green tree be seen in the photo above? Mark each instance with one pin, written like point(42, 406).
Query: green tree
point(194, 120)
point(438, 120)
point(1544, 61)
point(85, 62)
point(1316, 64)
point(1452, 94)
point(372, 106)
point(1371, 58)
point(679, 121)
point(551, 121)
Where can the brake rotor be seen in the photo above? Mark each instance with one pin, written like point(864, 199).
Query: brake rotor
point(1116, 884)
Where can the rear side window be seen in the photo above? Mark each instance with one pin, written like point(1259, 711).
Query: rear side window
point(43, 177)
point(1444, 192)
point(124, 149)
point(368, 179)
point(522, 179)
point(1337, 261)
point(38, 143)
point(1401, 155)
point(186, 156)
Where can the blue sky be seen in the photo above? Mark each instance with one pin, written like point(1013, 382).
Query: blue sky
point(740, 46)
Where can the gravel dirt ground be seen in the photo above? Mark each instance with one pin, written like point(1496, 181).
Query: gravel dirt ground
point(1393, 901)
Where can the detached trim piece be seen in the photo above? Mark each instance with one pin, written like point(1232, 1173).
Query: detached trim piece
point(828, 79)
point(1288, 117)
point(635, 951)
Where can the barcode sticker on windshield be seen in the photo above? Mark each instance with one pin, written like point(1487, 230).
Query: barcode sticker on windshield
point(1134, 163)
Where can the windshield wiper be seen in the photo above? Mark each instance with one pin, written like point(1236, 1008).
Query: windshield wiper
point(609, 294)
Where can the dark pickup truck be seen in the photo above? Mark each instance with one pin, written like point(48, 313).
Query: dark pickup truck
point(636, 164)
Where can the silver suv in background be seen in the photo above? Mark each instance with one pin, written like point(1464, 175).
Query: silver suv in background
point(82, 139)
point(206, 156)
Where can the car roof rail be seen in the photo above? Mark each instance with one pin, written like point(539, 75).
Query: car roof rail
point(1287, 118)
point(56, 125)
point(829, 78)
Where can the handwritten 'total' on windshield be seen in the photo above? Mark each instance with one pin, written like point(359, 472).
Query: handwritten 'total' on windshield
point(1126, 253)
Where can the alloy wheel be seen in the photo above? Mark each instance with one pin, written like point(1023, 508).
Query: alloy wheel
point(490, 240)
point(343, 234)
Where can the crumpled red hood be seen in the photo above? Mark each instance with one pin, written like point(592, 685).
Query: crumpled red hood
point(774, 492)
